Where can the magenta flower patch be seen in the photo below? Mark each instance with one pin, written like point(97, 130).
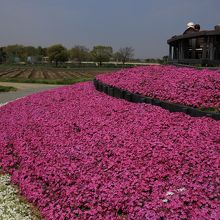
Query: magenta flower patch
point(196, 88)
point(77, 153)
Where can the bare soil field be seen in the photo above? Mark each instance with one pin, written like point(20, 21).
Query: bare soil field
point(49, 75)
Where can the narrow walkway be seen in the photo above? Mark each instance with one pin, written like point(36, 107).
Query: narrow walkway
point(23, 89)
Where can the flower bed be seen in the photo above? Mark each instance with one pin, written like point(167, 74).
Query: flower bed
point(188, 86)
point(136, 98)
point(79, 154)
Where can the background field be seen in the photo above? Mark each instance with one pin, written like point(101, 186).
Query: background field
point(50, 75)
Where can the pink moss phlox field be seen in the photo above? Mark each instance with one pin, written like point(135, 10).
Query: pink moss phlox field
point(76, 153)
point(188, 86)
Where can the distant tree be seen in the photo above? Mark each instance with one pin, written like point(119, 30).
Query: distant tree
point(42, 51)
point(101, 53)
point(31, 54)
point(3, 55)
point(165, 59)
point(153, 60)
point(79, 53)
point(116, 56)
point(30, 51)
point(125, 54)
point(15, 52)
point(150, 60)
point(57, 53)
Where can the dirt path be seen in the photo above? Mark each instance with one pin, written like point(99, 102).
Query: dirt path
point(23, 89)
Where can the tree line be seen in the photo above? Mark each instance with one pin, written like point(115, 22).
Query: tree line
point(59, 54)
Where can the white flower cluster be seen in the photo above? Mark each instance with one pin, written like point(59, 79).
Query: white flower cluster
point(1, 104)
point(11, 205)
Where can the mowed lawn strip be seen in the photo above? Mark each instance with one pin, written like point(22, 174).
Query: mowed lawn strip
point(7, 88)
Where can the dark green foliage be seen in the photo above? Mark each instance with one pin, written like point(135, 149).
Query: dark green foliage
point(7, 88)
point(101, 54)
point(57, 53)
point(79, 53)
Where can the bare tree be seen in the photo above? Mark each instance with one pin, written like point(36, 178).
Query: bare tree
point(125, 54)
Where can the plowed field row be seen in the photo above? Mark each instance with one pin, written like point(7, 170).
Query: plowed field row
point(25, 73)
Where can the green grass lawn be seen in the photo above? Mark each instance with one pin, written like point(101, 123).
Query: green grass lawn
point(45, 81)
point(7, 88)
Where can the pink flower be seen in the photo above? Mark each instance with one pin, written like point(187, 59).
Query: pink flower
point(197, 88)
point(76, 153)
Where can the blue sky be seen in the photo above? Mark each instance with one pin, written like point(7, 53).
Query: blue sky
point(143, 24)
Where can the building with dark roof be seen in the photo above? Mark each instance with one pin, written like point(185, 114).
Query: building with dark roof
point(195, 46)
